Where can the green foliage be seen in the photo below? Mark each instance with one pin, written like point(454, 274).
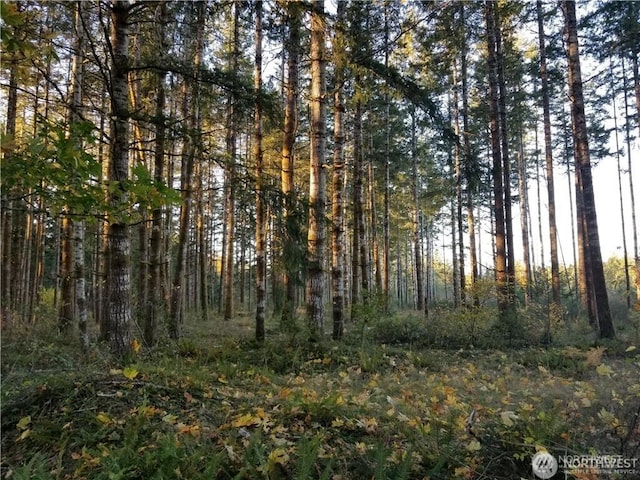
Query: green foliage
point(57, 164)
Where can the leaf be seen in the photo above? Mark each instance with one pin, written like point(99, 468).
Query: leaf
point(23, 435)
point(24, 422)
point(630, 349)
point(474, 445)
point(104, 418)
point(130, 373)
point(135, 345)
point(508, 418)
point(604, 370)
point(279, 455)
point(246, 420)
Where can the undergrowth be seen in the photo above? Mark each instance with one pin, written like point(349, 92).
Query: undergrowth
point(388, 402)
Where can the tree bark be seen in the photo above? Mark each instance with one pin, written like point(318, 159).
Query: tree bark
point(316, 232)
point(261, 263)
point(190, 149)
point(230, 197)
point(292, 233)
point(155, 302)
point(337, 232)
point(583, 166)
point(118, 249)
point(416, 218)
point(500, 258)
point(548, 156)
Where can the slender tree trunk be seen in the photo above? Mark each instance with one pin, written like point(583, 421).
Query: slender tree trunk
point(292, 233)
point(473, 255)
point(386, 263)
point(548, 155)
point(459, 180)
point(155, 302)
point(634, 225)
point(261, 258)
point(501, 273)
point(190, 149)
point(66, 308)
point(416, 218)
point(506, 162)
point(78, 228)
point(623, 226)
point(583, 165)
point(317, 187)
point(358, 216)
point(524, 219)
point(118, 249)
point(373, 215)
point(230, 200)
point(337, 208)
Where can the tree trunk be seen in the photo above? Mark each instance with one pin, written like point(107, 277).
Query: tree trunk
point(316, 232)
point(230, 198)
point(155, 303)
point(358, 216)
point(190, 149)
point(501, 274)
point(583, 165)
point(386, 262)
point(261, 258)
point(337, 232)
point(416, 218)
point(524, 219)
point(634, 227)
point(548, 155)
point(506, 162)
point(471, 181)
point(623, 226)
point(118, 249)
point(292, 233)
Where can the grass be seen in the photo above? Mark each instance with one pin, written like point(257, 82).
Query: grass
point(389, 402)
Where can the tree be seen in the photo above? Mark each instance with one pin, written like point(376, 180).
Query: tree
point(190, 149)
point(316, 232)
point(261, 257)
point(597, 286)
point(290, 279)
point(502, 279)
point(118, 249)
point(155, 302)
point(337, 232)
point(548, 156)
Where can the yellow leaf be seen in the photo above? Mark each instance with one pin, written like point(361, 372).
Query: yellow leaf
point(24, 422)
point(130, 373)
point(630, 349)
point(223, 379)
point(474, 445)
point(279, 455)
point(135, 345)
point(246, 420)
point(104, 418)
point(604, 370)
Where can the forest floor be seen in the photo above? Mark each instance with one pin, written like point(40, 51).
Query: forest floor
point(217, 406)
